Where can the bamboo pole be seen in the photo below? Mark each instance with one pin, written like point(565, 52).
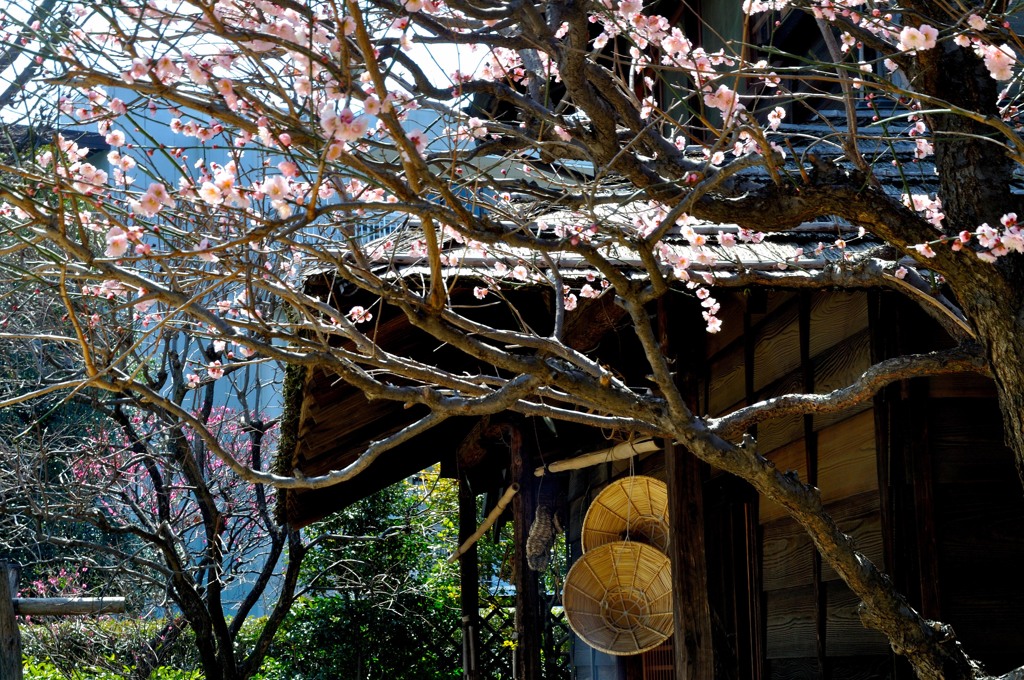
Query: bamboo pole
point(618, 452)
point(491, 519)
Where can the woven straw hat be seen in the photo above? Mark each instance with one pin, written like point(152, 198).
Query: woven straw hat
point(633, 507)
point(618, 598)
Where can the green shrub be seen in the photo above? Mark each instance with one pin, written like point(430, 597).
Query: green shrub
point(103, 648)
point(339, 637)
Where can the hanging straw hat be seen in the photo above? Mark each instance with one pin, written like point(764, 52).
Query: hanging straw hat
point(633, 507)
point(618, 598)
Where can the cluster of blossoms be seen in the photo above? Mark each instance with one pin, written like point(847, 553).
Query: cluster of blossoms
point(930, 207)
point(121, 482)
point(993, 242)
point(998, 242)
point(63, 583)
point(592, 289)
point(998, 59)
point(698, 251)
point(912, 39)
point(153, 200)
point(69, 163)
point(626, 17)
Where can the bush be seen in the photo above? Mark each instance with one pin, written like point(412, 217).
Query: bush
point(339, 637)
point(44, 670)
point(103, 648)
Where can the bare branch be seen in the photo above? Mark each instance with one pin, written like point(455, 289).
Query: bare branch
point(957, 360)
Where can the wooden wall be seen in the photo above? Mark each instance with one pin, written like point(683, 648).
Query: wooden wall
point(783, 342)
point(918, 476)
point(954, 508)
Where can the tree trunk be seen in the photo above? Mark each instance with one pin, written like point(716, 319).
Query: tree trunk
point(974, 173)
point(998, 315)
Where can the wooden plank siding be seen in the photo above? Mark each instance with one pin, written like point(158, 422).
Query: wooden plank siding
point(918, 477)
point(846, 464)
point(817, 341)
point(953, 505)
point(787, 548)
point(978, 518)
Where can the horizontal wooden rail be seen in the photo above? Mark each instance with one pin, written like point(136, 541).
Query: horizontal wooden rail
point(65, 606)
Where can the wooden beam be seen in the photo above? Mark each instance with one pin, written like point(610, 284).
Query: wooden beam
point(469, 582)
point(924, 497)
point(755, 561)
point(820, 593)
point(486, 524)
point(693, 645)
point(620, 451)
point(10, 636)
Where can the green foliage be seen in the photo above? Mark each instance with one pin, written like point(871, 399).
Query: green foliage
point(383, 602)
point(45, 670)
point(390, 545)
point(79, 648)
point(386, 602)
point(167, 673)
point(340, 637)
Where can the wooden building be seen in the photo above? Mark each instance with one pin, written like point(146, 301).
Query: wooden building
point(918, 476)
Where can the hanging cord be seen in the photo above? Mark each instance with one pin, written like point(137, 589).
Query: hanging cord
point(629, 494)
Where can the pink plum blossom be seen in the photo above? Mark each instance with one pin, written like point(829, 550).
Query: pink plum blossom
point(999, 60)
point(117, 242)
point(203, 251)
point(915, 39)
point(359, 314)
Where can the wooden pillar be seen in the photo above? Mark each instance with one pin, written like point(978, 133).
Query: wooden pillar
point(469, 575)
point(818, 587)
point(10, 636)
point(694, 649)
point(692, 645)
point(528, 607)
point(922, 473)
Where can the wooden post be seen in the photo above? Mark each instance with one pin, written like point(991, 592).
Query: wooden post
point(469, 580)
point(489, 521)
point(68, 606)
point(818, 586)
point(10, 636)
point(693, 644)
point(528, 621)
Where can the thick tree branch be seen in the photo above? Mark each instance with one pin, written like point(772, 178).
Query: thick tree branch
point(958, 360)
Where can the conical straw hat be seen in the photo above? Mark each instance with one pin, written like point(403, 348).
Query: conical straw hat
point(618, 598)
point(633, 507)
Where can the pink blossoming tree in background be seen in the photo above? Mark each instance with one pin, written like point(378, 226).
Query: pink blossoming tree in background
point(105, 494)
point(564, 144)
